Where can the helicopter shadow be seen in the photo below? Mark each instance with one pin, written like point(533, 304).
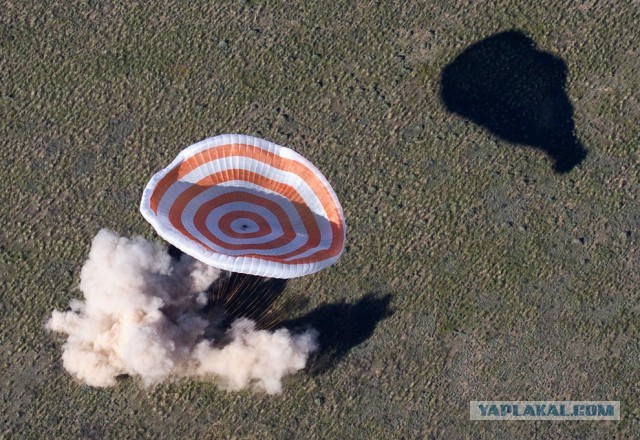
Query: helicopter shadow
point(517, 92)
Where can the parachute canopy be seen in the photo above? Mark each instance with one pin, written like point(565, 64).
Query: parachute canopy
point(247, 205)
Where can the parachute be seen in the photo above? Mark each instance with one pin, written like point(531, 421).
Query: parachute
point(244, 204)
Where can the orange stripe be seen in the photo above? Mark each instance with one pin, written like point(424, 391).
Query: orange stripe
point(275, 161)
point(308, 219)
point(224, 224)
point(202, 213)
point(223, 151)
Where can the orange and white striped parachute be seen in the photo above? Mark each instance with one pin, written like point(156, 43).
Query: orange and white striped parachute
point(247, 205)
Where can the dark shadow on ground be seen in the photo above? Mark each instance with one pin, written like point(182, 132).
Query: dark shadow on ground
point(341, 327)
point(506, 85)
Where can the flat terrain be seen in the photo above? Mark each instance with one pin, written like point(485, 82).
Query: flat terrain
point(474, 269)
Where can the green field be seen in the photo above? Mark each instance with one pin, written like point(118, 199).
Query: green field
point(473, 270)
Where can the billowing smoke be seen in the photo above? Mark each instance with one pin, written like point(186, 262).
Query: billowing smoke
point(146, 314)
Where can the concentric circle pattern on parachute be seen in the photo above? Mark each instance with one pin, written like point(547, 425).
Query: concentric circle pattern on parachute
point(247, 205)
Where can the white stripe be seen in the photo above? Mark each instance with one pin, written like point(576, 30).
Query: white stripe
point(192, 207)
point(305, 192)
point(276, 229)
point(214, 216)
point(248, 164)
point(226, 139)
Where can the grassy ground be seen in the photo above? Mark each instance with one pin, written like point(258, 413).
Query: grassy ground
point(507, 281)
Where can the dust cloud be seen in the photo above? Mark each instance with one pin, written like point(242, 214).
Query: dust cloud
point(145, 314)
